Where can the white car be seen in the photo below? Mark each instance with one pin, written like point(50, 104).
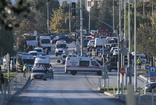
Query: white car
point(38, 73)
point(39, 50)
point(34, 53)
point(91, 44)
point(115, 51)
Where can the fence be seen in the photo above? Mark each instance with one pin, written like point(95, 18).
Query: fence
point(142, 97)
point(14, 86)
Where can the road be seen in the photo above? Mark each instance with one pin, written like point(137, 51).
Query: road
point(64, 89)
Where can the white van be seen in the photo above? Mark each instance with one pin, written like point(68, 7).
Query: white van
point(60, 47)
point(42, 61)
point(45, 42)
point(82, 64)
point(22, 59)
point(99, 42)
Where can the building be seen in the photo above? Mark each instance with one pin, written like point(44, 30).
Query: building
point(90, 3)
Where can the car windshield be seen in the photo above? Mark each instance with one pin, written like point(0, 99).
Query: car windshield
point(28, 61)
point(38, 50)
point(38, 71)
point(61, 46)
point(33, 53)
point(44, 41)
point(43, 64)
point(85, 41)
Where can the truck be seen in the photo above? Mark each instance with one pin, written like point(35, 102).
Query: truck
point(45, 42)
point(82, 64)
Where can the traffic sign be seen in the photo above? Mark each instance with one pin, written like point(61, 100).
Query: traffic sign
point(152, 71)
point(122, 71)
point(84, 54)
point(147, 67)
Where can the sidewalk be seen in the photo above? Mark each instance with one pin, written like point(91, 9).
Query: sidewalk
point(15, 86)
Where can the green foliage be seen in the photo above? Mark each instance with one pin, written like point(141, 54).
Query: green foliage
point(6, 42)
point(12, 75)
point(7, 15)
point(57, 23)
point(105, 13)
point(65, 6)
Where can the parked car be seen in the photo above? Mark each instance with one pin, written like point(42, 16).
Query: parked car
point(150, 86)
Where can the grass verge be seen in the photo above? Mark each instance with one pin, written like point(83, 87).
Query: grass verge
point(12, 75)
point(113, 90)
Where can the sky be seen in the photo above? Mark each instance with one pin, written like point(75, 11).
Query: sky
point(59, 1)
point(67, 1)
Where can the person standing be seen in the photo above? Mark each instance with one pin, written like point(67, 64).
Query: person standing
point(24, 70)
point(139, 62)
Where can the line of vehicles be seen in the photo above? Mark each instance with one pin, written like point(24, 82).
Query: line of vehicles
point(36, 61)
point(97, 48)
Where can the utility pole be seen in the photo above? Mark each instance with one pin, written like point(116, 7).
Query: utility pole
point(125, 22)
point(48, 16)
point(69, 18)
point(125, 41)
point(135, 68)
point(113, 17)
point(81, 26)
point(129, 32)
point(152, 8)
point(103, 66)
point(89, 24)
point(119, 66)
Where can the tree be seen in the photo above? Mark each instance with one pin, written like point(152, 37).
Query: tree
point(57, 23)
point(7, 24)
point(105, 13)
point(94, 10)
point(65, 6)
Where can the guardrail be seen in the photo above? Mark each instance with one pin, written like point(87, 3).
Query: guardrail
point(13, 87)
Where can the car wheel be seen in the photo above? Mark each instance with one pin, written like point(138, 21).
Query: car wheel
point(99, 73)
point(66, 71)
point(73, 72)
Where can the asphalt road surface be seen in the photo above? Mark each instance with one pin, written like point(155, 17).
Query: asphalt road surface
point(64, 89)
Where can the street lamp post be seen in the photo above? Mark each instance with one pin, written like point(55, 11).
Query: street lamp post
point(48, 16)
point(81, 26)
point(119, 66)
point(129, 32)
point(113, 17)
point(103, 66)
point(135, 68)
point(69, 19)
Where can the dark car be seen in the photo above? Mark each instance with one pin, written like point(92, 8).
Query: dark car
point(85, 42)
point(66, 38)
point(112, 63)
point(150, 86)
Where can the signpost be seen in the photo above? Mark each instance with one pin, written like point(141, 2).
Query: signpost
point(147, 66)
point(84, 54)
point(122, 71)
point(152, 72)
